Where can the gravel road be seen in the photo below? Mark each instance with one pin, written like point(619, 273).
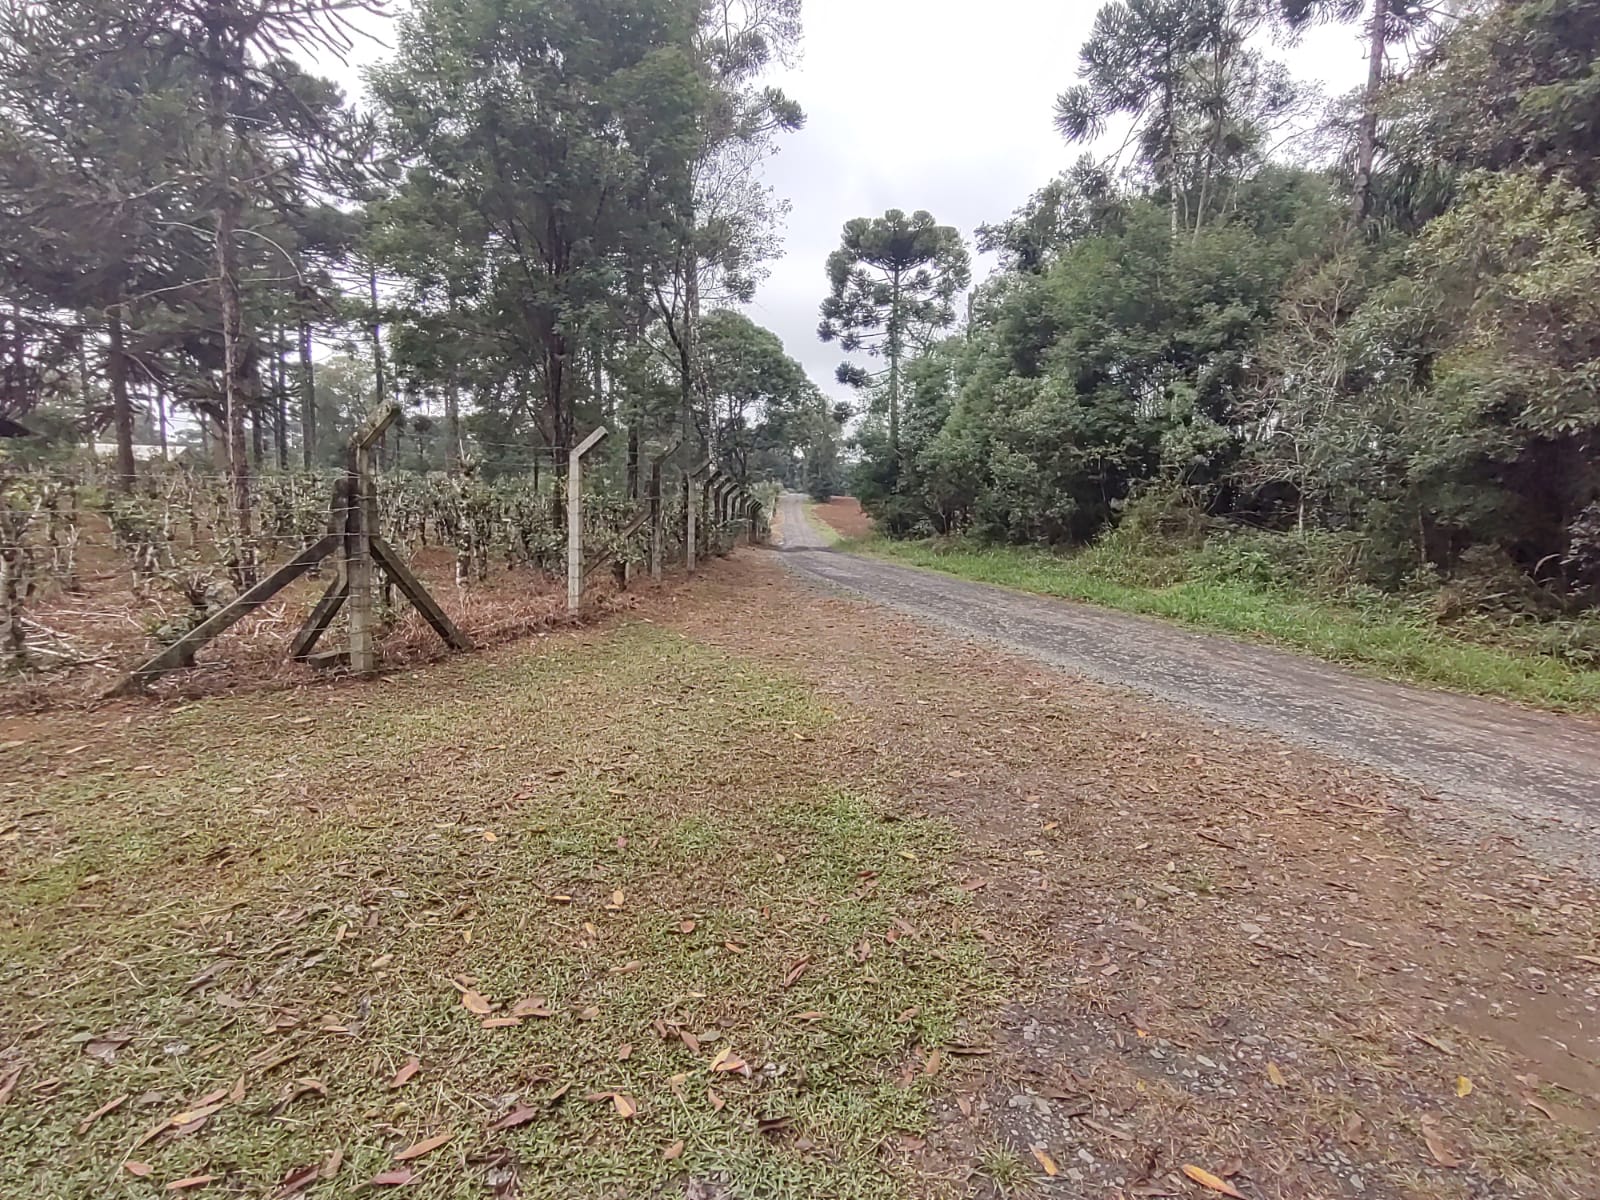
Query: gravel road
point(1542, 770)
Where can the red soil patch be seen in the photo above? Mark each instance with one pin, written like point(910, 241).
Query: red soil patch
point(844, 516)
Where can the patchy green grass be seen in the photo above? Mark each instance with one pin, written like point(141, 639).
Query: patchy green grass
point(827, 532)
point(285, 899)
point(1387, 640)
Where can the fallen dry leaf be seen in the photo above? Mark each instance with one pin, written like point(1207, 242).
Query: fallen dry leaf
point(1122, 1135)
point(931, 1067)
point(190, 1116)
point(9, 1085)
point(426, 1146)
point(396, 1178)
point(502, 1022)
point(673, 1151)
point(1434, 1137)
point(405, 1074)
point(626, 1107)
point(531, 1006)
point(1463, 1086)
point(796, 969)
point(1215, 1182)
point(686, 927)
point(1045, 1161)
point(138, 1169)
point(1275, 1074)
point(476, 1002)
point(727, 1060)
point(107, 1107)
point(717, 1101)
point(520, 1115)
point(297, 1181)
point(193, 1181)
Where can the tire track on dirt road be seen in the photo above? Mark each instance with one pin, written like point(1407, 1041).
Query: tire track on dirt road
point(1492, 759)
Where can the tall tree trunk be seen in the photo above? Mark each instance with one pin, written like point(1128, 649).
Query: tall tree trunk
point(85, 397)
point(121, 409)
point(556, 396)
point(452, 421)
point(380, 383)
point(228, 212)
point(161, 420)
point(633, 460)
point(308, 399)
point(1367, 143)
point(1169, 116)
point(691, 350)
point(895, 349)
point(1219, 70)
point(280, 397)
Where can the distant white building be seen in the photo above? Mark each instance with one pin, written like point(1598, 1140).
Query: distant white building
point(141, 453)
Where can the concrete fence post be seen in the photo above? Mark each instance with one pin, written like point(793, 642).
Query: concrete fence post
point(575, 518)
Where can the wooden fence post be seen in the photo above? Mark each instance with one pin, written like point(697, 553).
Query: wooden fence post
point(575, 518)
point(361, 525)
point(353, 535)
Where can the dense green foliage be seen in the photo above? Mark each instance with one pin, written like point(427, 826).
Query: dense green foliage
point(1409, 360)
point(531, 230)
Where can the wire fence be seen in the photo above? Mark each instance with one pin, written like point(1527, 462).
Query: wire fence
point(177, 543)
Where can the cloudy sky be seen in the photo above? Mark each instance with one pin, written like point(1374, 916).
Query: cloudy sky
point(938, 104)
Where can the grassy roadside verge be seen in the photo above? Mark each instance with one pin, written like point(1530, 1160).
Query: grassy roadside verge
point(1386, 640)
point(826, 531)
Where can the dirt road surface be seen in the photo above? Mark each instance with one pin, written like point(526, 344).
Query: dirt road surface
point(1539, 772)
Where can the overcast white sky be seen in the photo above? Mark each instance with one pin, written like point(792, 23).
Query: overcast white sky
point(938, 104)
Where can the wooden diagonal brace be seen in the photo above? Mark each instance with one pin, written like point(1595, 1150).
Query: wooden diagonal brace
point(321, 617)
point(181, 653)
point(425, 604)
point(633, 526)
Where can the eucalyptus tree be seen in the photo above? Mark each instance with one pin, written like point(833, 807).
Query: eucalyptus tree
point(558, 136)
point(756, 390)
point(728, 227)
point(893, 283)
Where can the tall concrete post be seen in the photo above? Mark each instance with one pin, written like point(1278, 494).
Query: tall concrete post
point(575, 518)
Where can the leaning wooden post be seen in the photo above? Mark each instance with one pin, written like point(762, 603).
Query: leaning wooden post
point(575, 517)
